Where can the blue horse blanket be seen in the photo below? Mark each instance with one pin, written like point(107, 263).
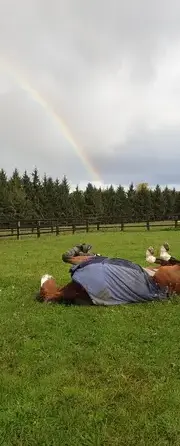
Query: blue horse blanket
point(116, 281)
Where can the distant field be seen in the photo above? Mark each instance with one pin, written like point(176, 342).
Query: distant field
point(82, 376)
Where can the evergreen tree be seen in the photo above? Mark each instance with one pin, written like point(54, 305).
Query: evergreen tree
point(98, 203)
point(169, 202)
point(120, 204)
point(15, 181)
point(27, 186)
point(64, 191)
point(109, 205)
point(131, 196)
point(158, 204)
point(29, 198)
point(177, 205)
point(3, 179)
point(48, 204)
point(57, 200)
point(143, 205)
point(90, 201)
point(6, 212)
point(37, 195)
point(77, 200)
point(17, 196)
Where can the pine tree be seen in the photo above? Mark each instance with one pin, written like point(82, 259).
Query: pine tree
point(77, 200)
point(98, 203)
point(17, 196)
point(109, 205)
point(27, 185)
point(15, 180)
point(37, 195)
point(120, 204)
point(90, 201)
point(143, 204)
point(5, 206)
point(158, 203)
point(177, 205)
point(64, 190)
point(131, 196)
point(48, 203)
point(169, 202)
point(26, 198)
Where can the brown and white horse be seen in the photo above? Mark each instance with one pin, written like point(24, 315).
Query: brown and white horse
point(165, 276)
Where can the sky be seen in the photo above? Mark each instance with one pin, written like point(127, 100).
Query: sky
point(91, 90)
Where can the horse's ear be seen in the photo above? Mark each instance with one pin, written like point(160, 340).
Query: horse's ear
point(166, 246)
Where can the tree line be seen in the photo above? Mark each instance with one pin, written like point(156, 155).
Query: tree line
point(24, 197)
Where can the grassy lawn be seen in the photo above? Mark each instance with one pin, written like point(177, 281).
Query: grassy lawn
point(85, 376)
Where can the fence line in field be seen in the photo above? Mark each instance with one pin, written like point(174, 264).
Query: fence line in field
point(40, 227)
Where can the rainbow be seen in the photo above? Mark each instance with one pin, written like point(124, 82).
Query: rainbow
point(62, 126)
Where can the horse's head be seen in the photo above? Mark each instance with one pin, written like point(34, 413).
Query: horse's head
point(169, 276)
point(48, 288)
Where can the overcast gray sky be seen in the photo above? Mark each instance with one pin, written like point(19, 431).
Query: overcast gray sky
point(110, 69)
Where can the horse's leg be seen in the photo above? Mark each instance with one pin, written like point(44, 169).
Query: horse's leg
point(78, 259)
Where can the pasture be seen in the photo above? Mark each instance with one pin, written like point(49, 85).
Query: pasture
point(80, 376)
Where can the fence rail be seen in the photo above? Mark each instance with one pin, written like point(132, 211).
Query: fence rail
point(41, 227)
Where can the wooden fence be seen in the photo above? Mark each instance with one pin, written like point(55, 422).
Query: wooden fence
point(41, 227)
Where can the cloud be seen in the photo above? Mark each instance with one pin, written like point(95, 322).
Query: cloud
point(110, 69)
point(147, 158)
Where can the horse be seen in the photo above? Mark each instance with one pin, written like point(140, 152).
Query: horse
point(105, 281)
point(100, 280)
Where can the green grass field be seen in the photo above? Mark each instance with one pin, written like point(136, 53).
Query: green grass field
point(85, 376)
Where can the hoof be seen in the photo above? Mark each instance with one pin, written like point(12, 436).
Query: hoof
point(164, 253)
point(151, 250)
point(166, 246)
point(150, 258)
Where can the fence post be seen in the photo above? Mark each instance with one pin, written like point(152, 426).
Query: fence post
point(122, 225)
point(147, 225)
point(57, 228)
point(12, 231)
point(98, 226)
point(18, 229)
point(38, 228)
point(87, 226)
point(176, 223)
point(73, 228)
point(52, 227)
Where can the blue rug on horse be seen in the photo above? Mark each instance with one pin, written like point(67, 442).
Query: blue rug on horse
point(116, 281)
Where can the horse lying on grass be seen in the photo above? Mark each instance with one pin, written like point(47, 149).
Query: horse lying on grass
point(98, 280)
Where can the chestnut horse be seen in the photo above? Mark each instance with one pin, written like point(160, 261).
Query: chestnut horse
point(164, 276)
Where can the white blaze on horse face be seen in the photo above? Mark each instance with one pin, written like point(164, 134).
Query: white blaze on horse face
point(45, 278)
